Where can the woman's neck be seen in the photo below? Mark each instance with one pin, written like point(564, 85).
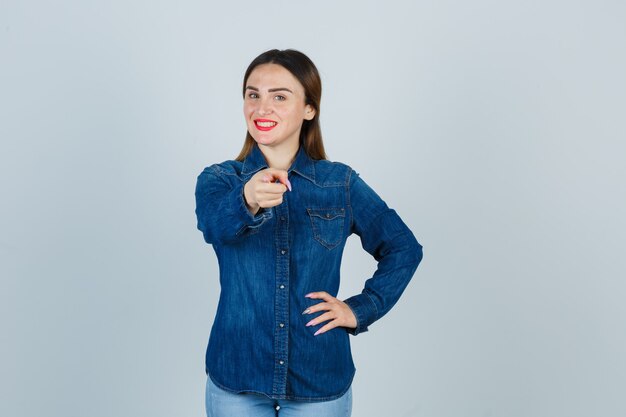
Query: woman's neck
point(280, 157)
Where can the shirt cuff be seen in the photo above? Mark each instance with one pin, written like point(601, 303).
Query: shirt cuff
point(364, 310)
point(238, 203)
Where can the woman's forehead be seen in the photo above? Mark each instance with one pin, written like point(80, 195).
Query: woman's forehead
point(271, 76)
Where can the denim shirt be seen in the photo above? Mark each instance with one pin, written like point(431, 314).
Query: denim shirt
point(268, 262)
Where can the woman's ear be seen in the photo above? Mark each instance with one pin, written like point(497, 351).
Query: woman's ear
point(309, 112)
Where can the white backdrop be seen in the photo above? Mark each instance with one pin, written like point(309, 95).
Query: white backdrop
point(495, 128)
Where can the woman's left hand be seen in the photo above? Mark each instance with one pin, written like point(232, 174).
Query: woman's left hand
point(338, 312)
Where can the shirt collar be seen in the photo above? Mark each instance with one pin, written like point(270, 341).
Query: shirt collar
point(302, 164)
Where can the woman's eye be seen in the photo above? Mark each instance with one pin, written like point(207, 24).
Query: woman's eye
point(280, 98)
point(253, 95)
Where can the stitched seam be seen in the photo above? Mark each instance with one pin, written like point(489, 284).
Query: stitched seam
point(348, 203)
point(374, 304)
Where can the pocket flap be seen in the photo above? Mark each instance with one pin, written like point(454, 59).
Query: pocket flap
point(327, 213)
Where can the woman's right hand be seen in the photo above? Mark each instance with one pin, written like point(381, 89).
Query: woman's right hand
point(263, 191)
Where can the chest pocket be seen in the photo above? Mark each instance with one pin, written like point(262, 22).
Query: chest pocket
point(327, 225)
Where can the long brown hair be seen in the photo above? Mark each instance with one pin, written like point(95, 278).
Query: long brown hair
point(306, 73)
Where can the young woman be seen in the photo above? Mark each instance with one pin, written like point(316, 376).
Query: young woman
point(278, 217)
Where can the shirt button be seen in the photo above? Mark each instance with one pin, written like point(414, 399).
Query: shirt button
point(281, 362)
point(327, 216)
point(282, 218)
point(283, 251)
point(282, 287)
point(282, 324)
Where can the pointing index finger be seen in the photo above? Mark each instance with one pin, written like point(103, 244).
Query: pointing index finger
point(278, 174)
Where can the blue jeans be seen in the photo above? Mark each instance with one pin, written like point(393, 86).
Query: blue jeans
point(221, 403)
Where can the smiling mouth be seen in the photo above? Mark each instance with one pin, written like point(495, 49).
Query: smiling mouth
point(263, 124)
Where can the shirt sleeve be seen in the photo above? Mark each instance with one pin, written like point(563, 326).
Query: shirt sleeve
point(388, 239)
point(221, 209)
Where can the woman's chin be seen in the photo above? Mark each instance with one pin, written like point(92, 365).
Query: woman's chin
point(263, 140)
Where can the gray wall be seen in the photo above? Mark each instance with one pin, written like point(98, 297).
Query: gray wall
point(495, 128)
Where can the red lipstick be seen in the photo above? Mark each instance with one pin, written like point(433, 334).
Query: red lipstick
point(265, 124)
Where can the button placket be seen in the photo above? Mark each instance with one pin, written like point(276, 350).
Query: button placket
point(281, 300)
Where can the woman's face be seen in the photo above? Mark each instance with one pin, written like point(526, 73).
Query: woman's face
point(274, 106)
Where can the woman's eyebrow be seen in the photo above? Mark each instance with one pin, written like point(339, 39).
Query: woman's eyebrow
point(271, 90)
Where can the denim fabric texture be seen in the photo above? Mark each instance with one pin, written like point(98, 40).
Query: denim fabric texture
point(222, 403)
point(268, 262)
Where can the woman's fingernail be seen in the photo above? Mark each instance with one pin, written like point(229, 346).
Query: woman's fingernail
point(309, 323)
point(288, 184)
point(316, 333)
point(309, 294)
point(307, 311)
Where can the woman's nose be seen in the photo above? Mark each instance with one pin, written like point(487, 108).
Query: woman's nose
point(265, 108)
